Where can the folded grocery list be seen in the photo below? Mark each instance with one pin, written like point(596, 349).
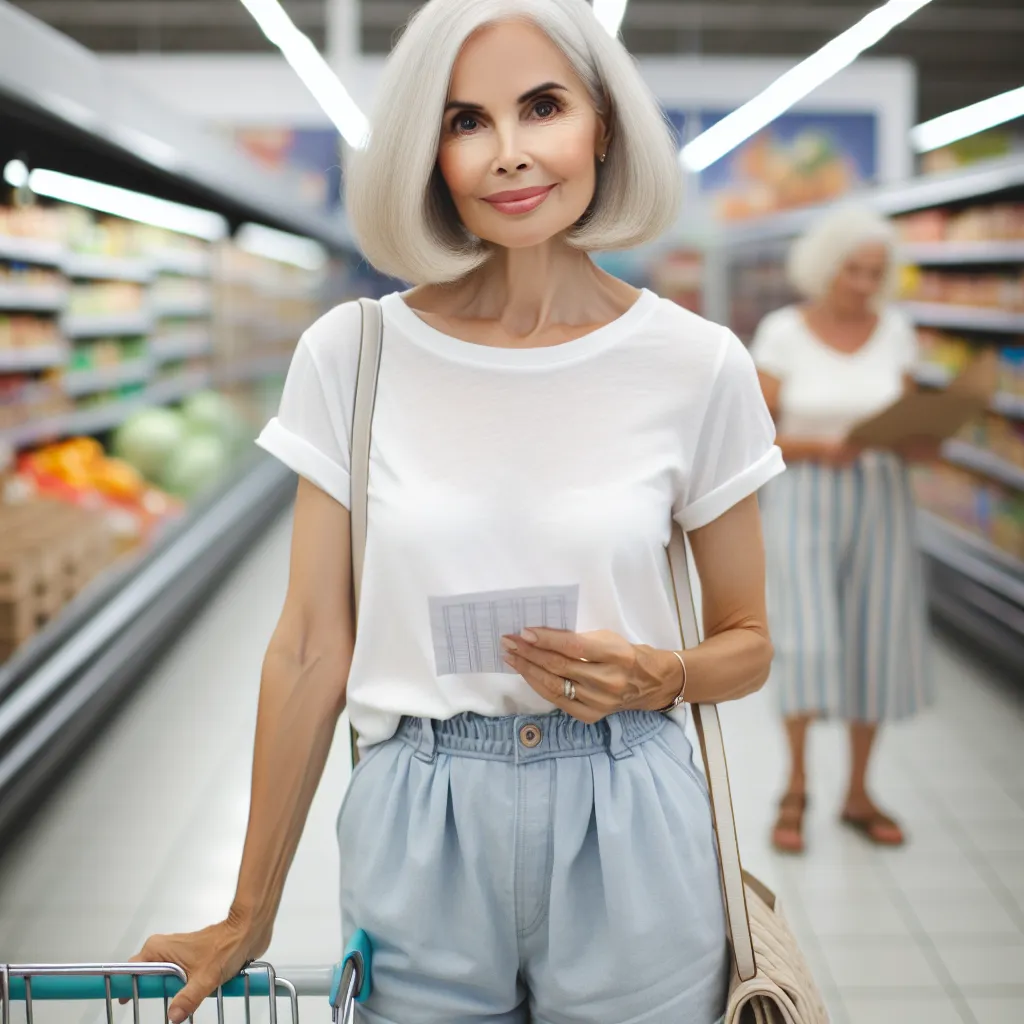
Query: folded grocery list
point(466, 629)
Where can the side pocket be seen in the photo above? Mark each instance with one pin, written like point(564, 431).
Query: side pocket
point(365, 761)
point(674, 742)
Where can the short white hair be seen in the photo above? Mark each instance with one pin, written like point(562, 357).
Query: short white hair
point(815, 257)
point(398, 204)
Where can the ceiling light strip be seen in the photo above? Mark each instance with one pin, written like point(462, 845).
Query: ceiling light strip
point(309, 64)
point(795, 84)
point(959, 124)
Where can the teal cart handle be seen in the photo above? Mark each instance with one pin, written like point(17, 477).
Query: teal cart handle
point(358, 953)
point(151, 986)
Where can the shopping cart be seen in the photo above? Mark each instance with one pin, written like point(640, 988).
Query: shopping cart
point(346, 984)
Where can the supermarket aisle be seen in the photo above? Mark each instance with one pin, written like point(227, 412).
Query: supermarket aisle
point(146, 835)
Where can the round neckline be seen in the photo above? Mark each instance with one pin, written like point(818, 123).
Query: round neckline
point(868, 343)
point(423, 334)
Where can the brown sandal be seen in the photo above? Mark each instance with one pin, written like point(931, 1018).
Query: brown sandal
point(870, 826)
point(790, 823)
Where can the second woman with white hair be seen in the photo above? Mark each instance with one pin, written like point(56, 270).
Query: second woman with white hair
point(527, 841)
point(846, 602)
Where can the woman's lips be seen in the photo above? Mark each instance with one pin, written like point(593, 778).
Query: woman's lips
point(521, 200)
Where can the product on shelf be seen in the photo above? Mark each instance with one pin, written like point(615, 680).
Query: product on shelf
point(999, 435)
point(989, 222)
point(25, 332)
point(981, 507)
point(994, 290)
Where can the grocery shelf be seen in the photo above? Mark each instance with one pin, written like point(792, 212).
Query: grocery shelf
point(104, 415)
point(971, 318)
point(187, 343)
point(961, 453)
point(1009, 405)
point(1003, 402)
point(31, 250)
point(254, 369)
point(39, 357)
point(96, 325)
point(183, 310)
point(106, 378)
point(58, 691)
point(182, 262)
point(180, 386)
point(97, 267)
point(37, 298)
point(971, 555)
point(938, 253)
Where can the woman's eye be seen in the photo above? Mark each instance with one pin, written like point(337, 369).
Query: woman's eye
point(545, 108)
point(465, 123)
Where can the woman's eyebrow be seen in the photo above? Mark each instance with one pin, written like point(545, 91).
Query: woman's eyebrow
point(528, 95)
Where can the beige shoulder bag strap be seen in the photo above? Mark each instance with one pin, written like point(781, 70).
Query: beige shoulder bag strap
point(705, 715)
point(712, 746)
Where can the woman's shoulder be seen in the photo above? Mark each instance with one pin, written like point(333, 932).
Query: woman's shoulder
point(781, 320)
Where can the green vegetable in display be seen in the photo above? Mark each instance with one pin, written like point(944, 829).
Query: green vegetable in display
point(195, 465)
point(147, 439)
point(211, 413)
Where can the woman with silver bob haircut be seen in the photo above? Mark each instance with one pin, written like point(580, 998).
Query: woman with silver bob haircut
point(847, 604)
point(526, 836)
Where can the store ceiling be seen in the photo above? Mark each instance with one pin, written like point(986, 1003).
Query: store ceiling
point(965, 50)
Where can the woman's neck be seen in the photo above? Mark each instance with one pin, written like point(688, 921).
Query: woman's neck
point(526, 292)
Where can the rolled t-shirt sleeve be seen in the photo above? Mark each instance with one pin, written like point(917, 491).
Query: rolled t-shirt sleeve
point(310, 433)
point(735, 453)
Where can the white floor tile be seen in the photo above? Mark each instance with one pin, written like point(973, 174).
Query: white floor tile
point(954, 911)
point(997, 1009)
point(876, 964)
point(980, 963)
point(851, 913)
point(901, 1009)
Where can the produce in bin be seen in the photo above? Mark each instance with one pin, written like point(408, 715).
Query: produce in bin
point(187, 451)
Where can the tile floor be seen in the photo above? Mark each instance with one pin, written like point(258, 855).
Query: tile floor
point(138, 839)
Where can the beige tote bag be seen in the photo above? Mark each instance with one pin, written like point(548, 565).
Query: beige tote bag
point(770, 983)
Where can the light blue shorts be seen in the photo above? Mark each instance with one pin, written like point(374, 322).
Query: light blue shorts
point(535, 868)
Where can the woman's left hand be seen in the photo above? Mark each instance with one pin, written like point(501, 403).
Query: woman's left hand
point(609, 673)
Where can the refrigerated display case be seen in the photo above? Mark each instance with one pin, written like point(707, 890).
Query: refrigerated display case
point(138, 358)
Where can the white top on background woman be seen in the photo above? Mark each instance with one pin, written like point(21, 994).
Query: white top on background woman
point(531, 840)
point(846, 604)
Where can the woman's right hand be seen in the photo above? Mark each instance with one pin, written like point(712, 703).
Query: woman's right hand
point(839, 453)
point(209, 958)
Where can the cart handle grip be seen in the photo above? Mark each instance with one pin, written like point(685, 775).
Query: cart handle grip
point(358, 956)
point(151, 986)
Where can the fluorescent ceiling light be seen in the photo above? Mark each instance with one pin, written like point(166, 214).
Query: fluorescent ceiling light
point(281, 246)
point(610, 13)
point(958, 124)
point(310, 66)
point(795, 84)
point(121, 202)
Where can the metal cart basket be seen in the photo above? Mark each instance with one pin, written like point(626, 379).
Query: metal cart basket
point(347, 983)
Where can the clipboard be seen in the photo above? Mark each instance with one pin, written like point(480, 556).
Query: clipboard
point(932, 415)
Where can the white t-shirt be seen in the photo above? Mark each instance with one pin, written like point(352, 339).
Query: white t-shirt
point(824, 391)
point(495, 468)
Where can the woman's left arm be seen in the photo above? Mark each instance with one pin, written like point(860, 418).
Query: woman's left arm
point(736, 654)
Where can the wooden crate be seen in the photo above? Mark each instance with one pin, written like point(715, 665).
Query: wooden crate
point(48, 552)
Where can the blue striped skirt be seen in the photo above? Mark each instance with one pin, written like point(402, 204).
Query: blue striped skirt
point(846, 600)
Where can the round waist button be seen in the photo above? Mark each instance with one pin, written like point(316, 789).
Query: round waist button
point(530, 735)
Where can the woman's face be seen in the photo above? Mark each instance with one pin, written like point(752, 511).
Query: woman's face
point(860, 278)
point(520, 137)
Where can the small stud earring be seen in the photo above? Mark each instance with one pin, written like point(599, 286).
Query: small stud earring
point(601, 157)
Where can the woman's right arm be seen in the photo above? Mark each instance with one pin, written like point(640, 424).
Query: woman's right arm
point(302, 694)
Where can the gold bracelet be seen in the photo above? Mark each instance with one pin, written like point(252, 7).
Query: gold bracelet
point(679, 698)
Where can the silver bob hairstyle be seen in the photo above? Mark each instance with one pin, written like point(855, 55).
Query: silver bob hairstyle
point(398, 204)
point(815, 257)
